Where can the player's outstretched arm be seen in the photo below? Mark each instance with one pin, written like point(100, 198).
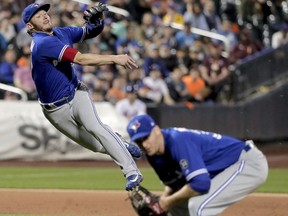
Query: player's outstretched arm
point(97, 60)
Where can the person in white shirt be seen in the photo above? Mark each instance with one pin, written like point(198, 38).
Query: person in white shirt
point(280, 37)
point(154, 88)
point(131, 106)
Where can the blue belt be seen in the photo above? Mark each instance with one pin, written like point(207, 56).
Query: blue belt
point(63, 100)
point(249, 144)
point(58, 103)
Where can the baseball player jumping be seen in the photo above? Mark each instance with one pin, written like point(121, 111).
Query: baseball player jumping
point(203, 172)
point(65, 101)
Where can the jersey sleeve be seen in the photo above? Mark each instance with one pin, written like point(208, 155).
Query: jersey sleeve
point(189, 156)
point(76, 34)
point(53, 48)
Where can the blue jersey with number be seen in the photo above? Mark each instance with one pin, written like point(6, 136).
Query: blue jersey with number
point(191, 153)
point(54, 76)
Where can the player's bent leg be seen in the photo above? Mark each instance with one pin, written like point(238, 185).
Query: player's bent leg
point(88, 117)
point(232, 185)
point(61, 119)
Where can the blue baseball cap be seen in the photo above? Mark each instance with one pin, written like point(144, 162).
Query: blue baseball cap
point(140, 126)
point(32, 9)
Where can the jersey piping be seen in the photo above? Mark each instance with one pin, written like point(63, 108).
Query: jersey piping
point(195, 173)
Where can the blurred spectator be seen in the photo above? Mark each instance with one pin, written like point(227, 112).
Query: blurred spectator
point(148, 29)
point(195, 56)
point(194, 15)
point(98, 95)
point(185, 37)
point(247, 45)
point(116, 92)
point(130, 44)
point(229, 9)
point(176, 86)
point(158, 12)
point(23, 80)
point(195, 85)
point(280, 37)
point(226, 30)
point(106, 72)
point(23, 39)
point(137, 9)
point(182, 55)
point(172, 15)
point(215, 70)
point(168, 36)
point(120, 27)
point(7, 30)
point(256, 15)
point(107, 37)
point(8, 66)
point(153, 58)
point(154, 89)
point(24, 58)
point(145, 27)
point(280, 10)
point(131, 106)
point(3, 44)
point(168, 57)
point(212, 18)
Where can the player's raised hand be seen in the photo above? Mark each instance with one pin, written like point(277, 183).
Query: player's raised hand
point(94, 15)
point(126, 61)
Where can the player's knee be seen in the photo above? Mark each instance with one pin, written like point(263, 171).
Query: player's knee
point(263, 173)
point(193, 207)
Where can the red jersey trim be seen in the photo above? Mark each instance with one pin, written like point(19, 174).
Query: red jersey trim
point(69, 54)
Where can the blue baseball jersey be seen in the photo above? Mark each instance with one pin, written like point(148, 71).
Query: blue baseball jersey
point(52, 71)
point(194, 156)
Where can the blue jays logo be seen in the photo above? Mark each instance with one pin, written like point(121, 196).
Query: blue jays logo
point(135, 126)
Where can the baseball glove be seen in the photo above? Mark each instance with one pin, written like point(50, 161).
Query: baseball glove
point(145, 203)
point(94, 15)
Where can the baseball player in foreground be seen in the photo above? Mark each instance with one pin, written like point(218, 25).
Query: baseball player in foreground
point(65, 101)
point(203, 172)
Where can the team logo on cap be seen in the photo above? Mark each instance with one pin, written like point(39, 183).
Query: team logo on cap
point(135, 126)
point(35, 5)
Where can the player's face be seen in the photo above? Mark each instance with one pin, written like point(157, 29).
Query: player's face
point(152, 144)
point(41, 22)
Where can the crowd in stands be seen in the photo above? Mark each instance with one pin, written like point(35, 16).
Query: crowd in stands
point(175, 65)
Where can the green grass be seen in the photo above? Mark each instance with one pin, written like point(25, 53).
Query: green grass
point(277, 182)
point(103, 179)
point(70, 178)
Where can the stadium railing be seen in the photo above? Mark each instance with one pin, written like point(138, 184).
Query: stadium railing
point(18, 91)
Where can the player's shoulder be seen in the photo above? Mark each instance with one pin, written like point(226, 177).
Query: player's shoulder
point(177, 134)
point(68, 29)
point(171, 133)
point(41, 40)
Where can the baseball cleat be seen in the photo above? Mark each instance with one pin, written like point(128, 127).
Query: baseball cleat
point(133, 181)
point(133, 149)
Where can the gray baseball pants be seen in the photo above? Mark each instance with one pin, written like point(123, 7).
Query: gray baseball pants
point(233, 184)
point(78, 120)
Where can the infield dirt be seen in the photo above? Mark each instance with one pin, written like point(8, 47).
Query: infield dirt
point(115, 203)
